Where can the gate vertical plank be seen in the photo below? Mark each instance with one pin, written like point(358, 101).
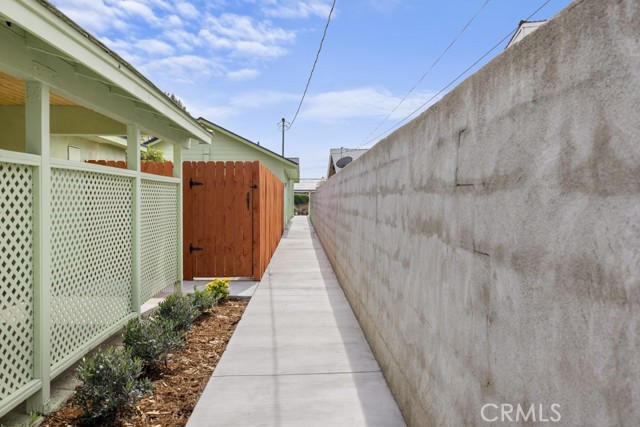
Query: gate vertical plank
point(239, 208)
point(271, 215)
point(187, 221)
point(255, 169)
point(230, 221)
point(247, 234)
point(219, 225)
point(263, 226)
point(209, 212)
point(274, 218)
point(199, 206)
point(265, 219)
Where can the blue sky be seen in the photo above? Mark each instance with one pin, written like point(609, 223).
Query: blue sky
point(243, 64)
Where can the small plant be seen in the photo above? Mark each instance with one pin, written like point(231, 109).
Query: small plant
point(219, 288)
point(151, 339)
point(152, 155)
point(180, 310)
point(110, 384)
point(34, 420)
point(203, 300)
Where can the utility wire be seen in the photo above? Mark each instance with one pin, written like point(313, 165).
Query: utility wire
point(314, 63)
point(430, 68)
point(452, 81)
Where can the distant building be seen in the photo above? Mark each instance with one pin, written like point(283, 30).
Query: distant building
point(524, 29)
point(336, 154)
point(307, 185)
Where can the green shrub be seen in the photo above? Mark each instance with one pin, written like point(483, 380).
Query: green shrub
point(219, 288)
point(203, 300)
point(180, 310)
point(110, 384)
point(151, 339)
point(300, 199)
point(152, 155)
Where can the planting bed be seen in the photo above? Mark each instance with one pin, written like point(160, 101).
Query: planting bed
point(178, 386)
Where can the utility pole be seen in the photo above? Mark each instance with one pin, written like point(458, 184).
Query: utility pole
point(283, 126)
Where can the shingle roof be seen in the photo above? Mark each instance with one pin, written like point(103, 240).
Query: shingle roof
point(307, 184)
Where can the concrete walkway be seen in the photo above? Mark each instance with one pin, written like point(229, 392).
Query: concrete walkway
point(298, 357)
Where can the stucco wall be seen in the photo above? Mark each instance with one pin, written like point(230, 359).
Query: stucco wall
point(491, 247)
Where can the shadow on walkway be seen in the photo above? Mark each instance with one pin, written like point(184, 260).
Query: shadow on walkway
point(298, 356)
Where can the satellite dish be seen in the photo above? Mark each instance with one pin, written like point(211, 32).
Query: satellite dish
point(344, 161)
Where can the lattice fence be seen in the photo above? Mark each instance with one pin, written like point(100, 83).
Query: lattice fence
point(159, 246)
point(91, 229)
point(16, 277)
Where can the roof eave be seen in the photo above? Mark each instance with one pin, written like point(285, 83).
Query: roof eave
point(217, 128)
point(42, 20)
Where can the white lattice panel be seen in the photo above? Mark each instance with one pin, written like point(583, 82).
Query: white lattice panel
point(16, 277)
point(159, 246)
point(91, 231)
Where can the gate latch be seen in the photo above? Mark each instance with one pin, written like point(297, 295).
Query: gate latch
point(248, 198)
point(193, 249)
point(193, 183)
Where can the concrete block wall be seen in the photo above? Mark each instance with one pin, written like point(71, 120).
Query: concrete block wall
point(491, 247)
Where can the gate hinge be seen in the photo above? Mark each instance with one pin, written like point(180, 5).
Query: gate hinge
point(193, 249)
point(193, 183)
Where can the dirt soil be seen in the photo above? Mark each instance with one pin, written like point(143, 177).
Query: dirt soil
point(179, 386)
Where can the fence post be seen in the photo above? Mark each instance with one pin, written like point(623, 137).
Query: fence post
point(133, 163)
point(37, 142)
point(177, 173)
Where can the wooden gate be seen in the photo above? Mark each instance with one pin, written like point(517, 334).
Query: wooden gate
point(233, 216)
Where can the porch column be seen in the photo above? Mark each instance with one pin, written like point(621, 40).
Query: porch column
point(177, 173)
point(38, 142)
point(133, 163)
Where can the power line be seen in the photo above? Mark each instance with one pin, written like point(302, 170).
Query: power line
point(452, 81)
point(314, 63)
point(430, 68)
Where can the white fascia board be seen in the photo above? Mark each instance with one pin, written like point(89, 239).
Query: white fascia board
point(112, 140)
point(37, 20)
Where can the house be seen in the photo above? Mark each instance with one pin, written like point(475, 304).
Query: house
point(82, 246)
point(524, 29)
point(307, 185)
point(341, 157)
point(229, 146)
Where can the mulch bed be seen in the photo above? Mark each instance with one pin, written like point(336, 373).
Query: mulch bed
point(177, 387)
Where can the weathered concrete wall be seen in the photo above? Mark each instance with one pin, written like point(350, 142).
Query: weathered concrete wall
point(491, 247)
